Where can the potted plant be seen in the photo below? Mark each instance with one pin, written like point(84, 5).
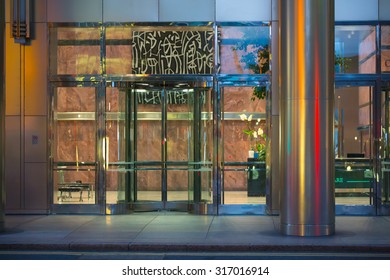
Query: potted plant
point(256, 179)
point(256, 135)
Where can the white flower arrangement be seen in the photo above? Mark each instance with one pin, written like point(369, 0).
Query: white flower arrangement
point(255, 134)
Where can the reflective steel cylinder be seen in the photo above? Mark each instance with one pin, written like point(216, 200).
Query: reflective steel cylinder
point(2, 112)
point(306, 77)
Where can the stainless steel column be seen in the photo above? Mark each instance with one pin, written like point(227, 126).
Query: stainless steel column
point(2, 112)
point(306, 76)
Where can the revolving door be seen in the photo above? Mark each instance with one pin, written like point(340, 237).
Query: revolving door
point(158, 146)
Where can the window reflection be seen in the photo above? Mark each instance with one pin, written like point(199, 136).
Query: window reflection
point(385, 49)
point(355, 50)
point(385, 144)
point(354, 177)
point(244, 49)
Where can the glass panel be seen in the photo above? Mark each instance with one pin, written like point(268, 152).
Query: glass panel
point(244, 49)
point(355, 49)
point(159, 144)
point(385, 49)
point(385, 145)
point(74, 145)
point(244, 166)
point(354, 178)
point(148, 140)
point(75, 50)
point(116, 151)
point(160, 50)
point(180, 124)
point(189, 142)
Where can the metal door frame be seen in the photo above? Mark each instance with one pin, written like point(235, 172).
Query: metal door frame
point(98, 206)
point(365, 81)
point(233, 81)
point(162, 82)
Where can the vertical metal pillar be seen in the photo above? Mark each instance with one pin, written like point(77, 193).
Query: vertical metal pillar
point(2, 112)
point(306, 75)
point(272, 197)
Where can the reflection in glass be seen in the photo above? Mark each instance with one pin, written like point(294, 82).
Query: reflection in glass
point(354, 177)
point(244, 49)
point(385, 144)
point(355, 49)
point(385, 45)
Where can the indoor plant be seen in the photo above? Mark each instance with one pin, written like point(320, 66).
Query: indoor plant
point(256, 135)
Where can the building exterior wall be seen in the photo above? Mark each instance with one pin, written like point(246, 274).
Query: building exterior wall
point(26, 156)
point(2, 115)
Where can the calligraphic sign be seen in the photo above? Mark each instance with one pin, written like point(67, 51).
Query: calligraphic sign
point(176, 97)
point(172, 52)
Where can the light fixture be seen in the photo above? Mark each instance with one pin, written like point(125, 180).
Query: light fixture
point(20, 21)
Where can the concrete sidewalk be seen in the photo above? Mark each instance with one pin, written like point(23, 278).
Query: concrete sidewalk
point(174, 232)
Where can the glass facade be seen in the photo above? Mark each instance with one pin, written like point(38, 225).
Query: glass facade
point(244, 49)
point(385, 144)
point(172, 117)
point(158, 145)
point(354, 173)
point(355, 49)
point(385, 47)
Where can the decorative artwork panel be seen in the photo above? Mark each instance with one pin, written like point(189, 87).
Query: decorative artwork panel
point(172, 52)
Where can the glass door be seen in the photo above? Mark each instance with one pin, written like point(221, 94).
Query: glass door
point(159, 138)
point(243, 149)
point(74, 149)
point(354, 148)
point(385, 146)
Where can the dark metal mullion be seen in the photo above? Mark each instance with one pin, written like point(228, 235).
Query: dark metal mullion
point(164, 190)
point(376, 133)
point(135, 121)
point(100, 125)
point(376, 125)
point(197, 145)
point(217, 153)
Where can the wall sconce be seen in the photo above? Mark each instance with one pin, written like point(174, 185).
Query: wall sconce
point(20, 19)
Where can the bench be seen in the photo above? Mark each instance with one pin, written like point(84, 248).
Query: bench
point(73, 187)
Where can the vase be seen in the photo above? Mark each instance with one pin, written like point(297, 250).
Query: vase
point(251, 154)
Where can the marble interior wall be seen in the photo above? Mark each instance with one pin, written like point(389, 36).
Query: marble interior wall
point(75, 141)
point(72, 56)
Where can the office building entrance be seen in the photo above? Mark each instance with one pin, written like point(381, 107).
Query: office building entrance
point(158, 144)
point(174, 143)
point(131, 130)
